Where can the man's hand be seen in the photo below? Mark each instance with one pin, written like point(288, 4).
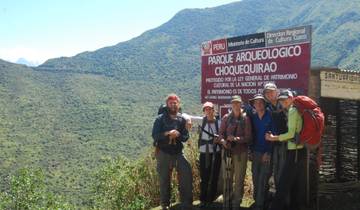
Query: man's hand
point(173, 134)
point(233, 139)
point(230, 138)
point(224, 143)
point(270, 137)
point(217, 139)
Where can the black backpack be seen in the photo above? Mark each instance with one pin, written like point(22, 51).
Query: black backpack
point(163, 108)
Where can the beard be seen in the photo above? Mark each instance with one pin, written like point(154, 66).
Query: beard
point(173, 110)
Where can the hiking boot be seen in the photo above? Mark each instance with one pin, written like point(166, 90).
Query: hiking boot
point(186, 206)
point(165, 207)
point(202, 205)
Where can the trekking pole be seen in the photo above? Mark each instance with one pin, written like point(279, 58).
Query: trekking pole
point(307, 176)
point(224, 178)
point(226, 194)
point(209, 187)
point(228, 183)
point(230, 179)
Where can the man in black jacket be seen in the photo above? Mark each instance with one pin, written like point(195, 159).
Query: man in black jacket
point(169, 132)
point(279, 119)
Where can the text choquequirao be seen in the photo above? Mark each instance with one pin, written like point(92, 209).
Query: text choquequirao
point(227, 66)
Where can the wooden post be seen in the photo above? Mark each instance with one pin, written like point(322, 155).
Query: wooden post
point(358, 138)
point(338, 141)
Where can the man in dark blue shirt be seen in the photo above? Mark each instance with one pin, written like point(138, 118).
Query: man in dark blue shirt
point(169, 132)
point(261, 150)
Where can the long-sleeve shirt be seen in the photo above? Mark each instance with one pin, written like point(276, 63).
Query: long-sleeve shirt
point(260, 128)
point(164, 123)
point(210, 128)
point(243, 130)
point(294, 127)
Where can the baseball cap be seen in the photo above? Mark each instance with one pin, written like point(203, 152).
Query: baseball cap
point(284, 94)
point(207, 104)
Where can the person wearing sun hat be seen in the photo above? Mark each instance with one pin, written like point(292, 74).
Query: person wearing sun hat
point(235, 136)
point(270, 93)
point(293, 176)
point(210, 156)
point(261, 150)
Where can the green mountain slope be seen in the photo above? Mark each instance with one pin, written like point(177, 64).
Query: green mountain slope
point(70, 114)
point(67, 123)
point(174, 46)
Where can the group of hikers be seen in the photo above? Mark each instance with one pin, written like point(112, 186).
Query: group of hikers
point(264, 131)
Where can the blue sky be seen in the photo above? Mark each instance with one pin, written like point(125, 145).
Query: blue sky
point(41, 29)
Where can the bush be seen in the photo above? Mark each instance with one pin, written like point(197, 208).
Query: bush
point(27, 191)
point(126, 184)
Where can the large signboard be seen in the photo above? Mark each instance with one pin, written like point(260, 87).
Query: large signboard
point(340, 85)
point(241, 65)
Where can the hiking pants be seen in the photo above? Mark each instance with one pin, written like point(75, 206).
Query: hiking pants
point(239, 163)
point(261, 173)
point(165, 164)
point(278, 160)
point(292, 181)
point(209, 194)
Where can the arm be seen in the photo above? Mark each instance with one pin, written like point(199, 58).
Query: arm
point(247, 132)
point(157, 133)
point(248, 109)
point(292, 120)
point(184, 133)
point(222, 130)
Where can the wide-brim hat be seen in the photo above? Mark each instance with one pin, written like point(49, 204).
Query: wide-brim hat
point(270, 86)
point(236, 98)
point(257, 96)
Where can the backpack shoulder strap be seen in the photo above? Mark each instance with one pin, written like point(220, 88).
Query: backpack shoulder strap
point(204, 121)
point(164, 118)
point(181, 120)
point(217, 125)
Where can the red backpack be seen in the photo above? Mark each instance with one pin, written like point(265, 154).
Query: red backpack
point(313, 121)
